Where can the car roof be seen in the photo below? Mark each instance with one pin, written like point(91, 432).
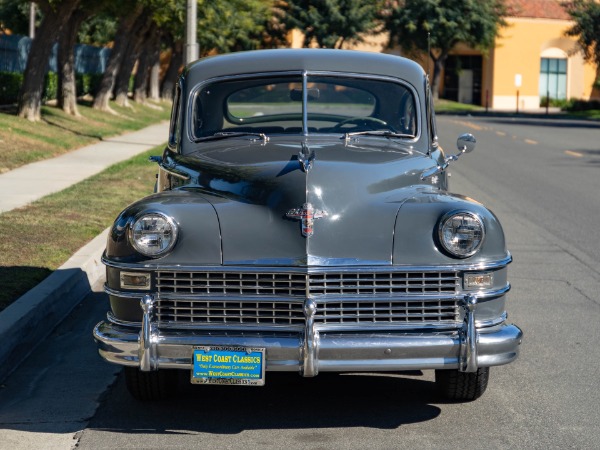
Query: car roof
point(283, 60)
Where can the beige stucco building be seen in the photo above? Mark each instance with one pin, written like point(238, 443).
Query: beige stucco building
point(534, 50)
point(532, 59)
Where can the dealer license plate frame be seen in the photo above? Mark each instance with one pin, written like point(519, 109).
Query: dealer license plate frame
point(207, 357)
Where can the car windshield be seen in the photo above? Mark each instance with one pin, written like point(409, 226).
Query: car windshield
point(320, 104)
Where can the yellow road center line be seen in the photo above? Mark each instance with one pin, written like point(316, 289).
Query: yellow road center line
point(469, 125)
point(500, 133)
point(575, 154)
point(531, 142)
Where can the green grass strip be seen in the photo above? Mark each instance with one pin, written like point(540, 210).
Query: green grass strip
point(37, 239)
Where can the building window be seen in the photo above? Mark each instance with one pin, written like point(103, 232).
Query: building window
point(462, 79)
point(553, 78)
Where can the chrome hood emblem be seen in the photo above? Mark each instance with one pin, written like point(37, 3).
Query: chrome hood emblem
point(306, 158)
point(308, 215)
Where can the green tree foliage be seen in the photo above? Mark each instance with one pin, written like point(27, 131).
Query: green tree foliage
point(586, 14)
point(99, 30)
point(331, 23)
point(14, 16)
point(233, 25)
point(448, 22)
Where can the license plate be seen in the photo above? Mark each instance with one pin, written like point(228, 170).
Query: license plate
point(228, 365)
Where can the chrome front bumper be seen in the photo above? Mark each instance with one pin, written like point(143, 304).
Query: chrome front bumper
point(314, 350)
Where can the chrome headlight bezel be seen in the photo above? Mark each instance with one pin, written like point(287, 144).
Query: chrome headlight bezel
point(169, 231)
point(445, 233)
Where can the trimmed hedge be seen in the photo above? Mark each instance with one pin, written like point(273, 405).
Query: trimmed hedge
point(10, 84)
point(582, 105)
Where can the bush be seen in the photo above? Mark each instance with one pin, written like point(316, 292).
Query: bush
point(50, 86)
point(87, 83)
point(582, 105)
point(10, 84)
point(555, 102)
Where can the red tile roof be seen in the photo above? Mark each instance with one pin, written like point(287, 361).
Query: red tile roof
point(537, 9)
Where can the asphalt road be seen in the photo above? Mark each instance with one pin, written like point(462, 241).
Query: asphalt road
point(541, 177)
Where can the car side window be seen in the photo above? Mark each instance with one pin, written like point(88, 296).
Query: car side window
point(174, 132)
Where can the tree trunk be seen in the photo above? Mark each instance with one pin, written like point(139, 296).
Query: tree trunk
point(438, 65)
point(138, 32)
point(154, 81)
point(154, 78)
point(148, 54)
point(116, 56)
point(30, 95)
point(67, 91)
point(168, 85)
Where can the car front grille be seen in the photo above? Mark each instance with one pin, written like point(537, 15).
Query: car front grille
point(417, 311)
point(277, 299)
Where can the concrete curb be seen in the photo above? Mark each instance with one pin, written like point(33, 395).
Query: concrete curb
point(33, 316)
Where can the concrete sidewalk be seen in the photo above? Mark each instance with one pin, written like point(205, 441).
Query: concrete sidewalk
point(31, 182)
point(32, 317)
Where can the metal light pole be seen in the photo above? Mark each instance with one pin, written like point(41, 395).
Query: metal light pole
point(191, 38)
point(31, 20)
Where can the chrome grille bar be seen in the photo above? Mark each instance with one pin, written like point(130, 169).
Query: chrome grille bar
point(277, 299)
point(402, 311)
point(219, 312)
point(294, 284)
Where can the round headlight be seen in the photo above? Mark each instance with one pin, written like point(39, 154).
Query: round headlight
point(461, 234)
point(153, 234)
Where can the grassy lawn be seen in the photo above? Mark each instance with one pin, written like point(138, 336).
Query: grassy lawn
point(23, 142)
point(448, 106)
point(39, 238)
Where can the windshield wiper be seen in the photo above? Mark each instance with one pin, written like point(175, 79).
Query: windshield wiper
point(384, 133)
point(229, 134)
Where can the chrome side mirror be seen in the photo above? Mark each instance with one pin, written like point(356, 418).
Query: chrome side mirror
point(466, 143)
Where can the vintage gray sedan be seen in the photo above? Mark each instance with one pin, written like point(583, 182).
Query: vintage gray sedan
point(302, 223)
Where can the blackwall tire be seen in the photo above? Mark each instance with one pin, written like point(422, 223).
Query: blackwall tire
point(462, 386)
point(150, 386)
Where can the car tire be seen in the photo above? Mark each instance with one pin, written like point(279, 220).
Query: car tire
point(462, 386)
point(150, 386)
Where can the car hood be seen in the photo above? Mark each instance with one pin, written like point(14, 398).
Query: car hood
point(357, 186)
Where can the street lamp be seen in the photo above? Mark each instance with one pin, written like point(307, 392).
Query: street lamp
point(518, 83)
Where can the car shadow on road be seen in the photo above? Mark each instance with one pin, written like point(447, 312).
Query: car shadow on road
point(382, 401)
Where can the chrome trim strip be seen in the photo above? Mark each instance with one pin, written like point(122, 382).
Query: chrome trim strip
point(123, 294)
point(311, 269)
point(232, 327)
point(425, 326)
point(175, 172)
point(123, 323)
point(320, 298)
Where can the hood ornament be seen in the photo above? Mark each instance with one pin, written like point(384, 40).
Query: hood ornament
point(306, 157)
point(308, 215)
